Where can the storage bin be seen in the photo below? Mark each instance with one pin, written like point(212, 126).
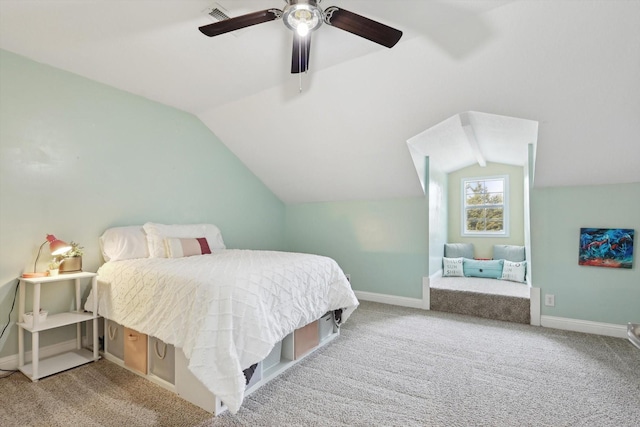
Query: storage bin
point(162, 360)
point(257, 376)
point(305, 339)
point(135, 350)
point(114, 339)
point(325, 326)
point(273, 358)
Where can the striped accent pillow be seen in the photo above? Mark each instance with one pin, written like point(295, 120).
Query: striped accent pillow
point(178, 248)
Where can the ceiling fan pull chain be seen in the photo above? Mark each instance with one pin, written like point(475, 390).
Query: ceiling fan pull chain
point(299, 68)
point(307, 46)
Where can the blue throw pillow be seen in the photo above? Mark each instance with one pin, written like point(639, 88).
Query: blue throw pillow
point(458, 250)
point(491, 269)
point(509, 252)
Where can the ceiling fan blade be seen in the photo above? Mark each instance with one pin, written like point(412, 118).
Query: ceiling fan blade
point(239, 22)
point(300, 53)
point(361, 26)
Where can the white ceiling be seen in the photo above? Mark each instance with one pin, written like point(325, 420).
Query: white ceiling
point(473, 138)
point(571, 66)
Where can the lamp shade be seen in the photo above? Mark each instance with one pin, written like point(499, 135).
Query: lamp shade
point(57, 247)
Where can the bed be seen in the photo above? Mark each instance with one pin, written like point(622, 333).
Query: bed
point(225, 309)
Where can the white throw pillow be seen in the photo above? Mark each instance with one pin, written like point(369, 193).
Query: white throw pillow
point(514, 271)
point(452, 267)
point(182, 247)
point(156, 233)
point(119, 243)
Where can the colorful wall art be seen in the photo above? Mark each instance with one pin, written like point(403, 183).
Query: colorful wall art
point(606, 247)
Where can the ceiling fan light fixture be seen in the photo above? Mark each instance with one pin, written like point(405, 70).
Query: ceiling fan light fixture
point(302, 30)
point(302, 16)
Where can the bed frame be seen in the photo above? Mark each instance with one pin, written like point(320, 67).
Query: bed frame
point(167, 366)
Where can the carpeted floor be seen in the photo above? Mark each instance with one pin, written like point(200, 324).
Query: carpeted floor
point(476, 296)
point(392, 366)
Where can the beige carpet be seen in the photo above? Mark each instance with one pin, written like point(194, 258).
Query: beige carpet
point(488, 298)
point(97, 394)
point(392, 366)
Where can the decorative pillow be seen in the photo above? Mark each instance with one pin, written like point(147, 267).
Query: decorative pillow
point(514, 271)
point(178, 248)
point(487, 269)
point(119, 243)
point(458, 250)
point(156, 233)
point(452, 267)
point(509, 252)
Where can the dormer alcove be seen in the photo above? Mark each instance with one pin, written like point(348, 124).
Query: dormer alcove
point(477, 141)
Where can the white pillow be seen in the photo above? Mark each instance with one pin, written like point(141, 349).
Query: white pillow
point(119, 243)
point(156, 233)
point(452, 267)
point(514, 271)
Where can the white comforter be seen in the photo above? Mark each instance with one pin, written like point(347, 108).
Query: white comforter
point(226, 310)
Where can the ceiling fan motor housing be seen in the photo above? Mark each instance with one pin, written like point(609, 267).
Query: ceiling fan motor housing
point(302, 16)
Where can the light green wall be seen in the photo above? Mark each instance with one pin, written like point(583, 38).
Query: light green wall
point(589, 293)
point(483, 246)
point(382, 244)
point(78, 157)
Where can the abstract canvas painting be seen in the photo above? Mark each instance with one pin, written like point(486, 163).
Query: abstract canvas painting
point(606, 247)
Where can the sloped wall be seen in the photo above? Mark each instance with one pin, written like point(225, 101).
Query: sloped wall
point(78, 157)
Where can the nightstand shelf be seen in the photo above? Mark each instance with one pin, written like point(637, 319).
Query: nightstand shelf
point(58, 320)
point(59, 362)
point(41, 368)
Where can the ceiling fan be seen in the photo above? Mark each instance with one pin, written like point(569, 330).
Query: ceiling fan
point(303, 17)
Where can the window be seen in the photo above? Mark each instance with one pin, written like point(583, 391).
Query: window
point(484, 206)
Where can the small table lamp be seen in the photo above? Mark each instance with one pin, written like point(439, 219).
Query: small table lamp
point(57, 247)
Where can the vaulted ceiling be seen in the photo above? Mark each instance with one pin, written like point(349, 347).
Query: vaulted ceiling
point(571, 66)
point(471, 138)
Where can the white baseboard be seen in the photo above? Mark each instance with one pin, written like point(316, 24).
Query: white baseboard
point(534, 304)
point(576, 325)
point(390, 299)
point(426, 293)
point(586, 326)
point(11, 362)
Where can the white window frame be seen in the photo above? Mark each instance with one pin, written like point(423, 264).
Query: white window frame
point(505, 202)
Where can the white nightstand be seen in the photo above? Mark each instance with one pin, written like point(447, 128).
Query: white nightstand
point(51, 365)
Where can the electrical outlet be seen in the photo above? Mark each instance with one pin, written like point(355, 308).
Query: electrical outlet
point(549, 300)
point(348, 276)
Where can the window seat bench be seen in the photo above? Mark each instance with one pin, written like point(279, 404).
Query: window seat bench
point(474, 296)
